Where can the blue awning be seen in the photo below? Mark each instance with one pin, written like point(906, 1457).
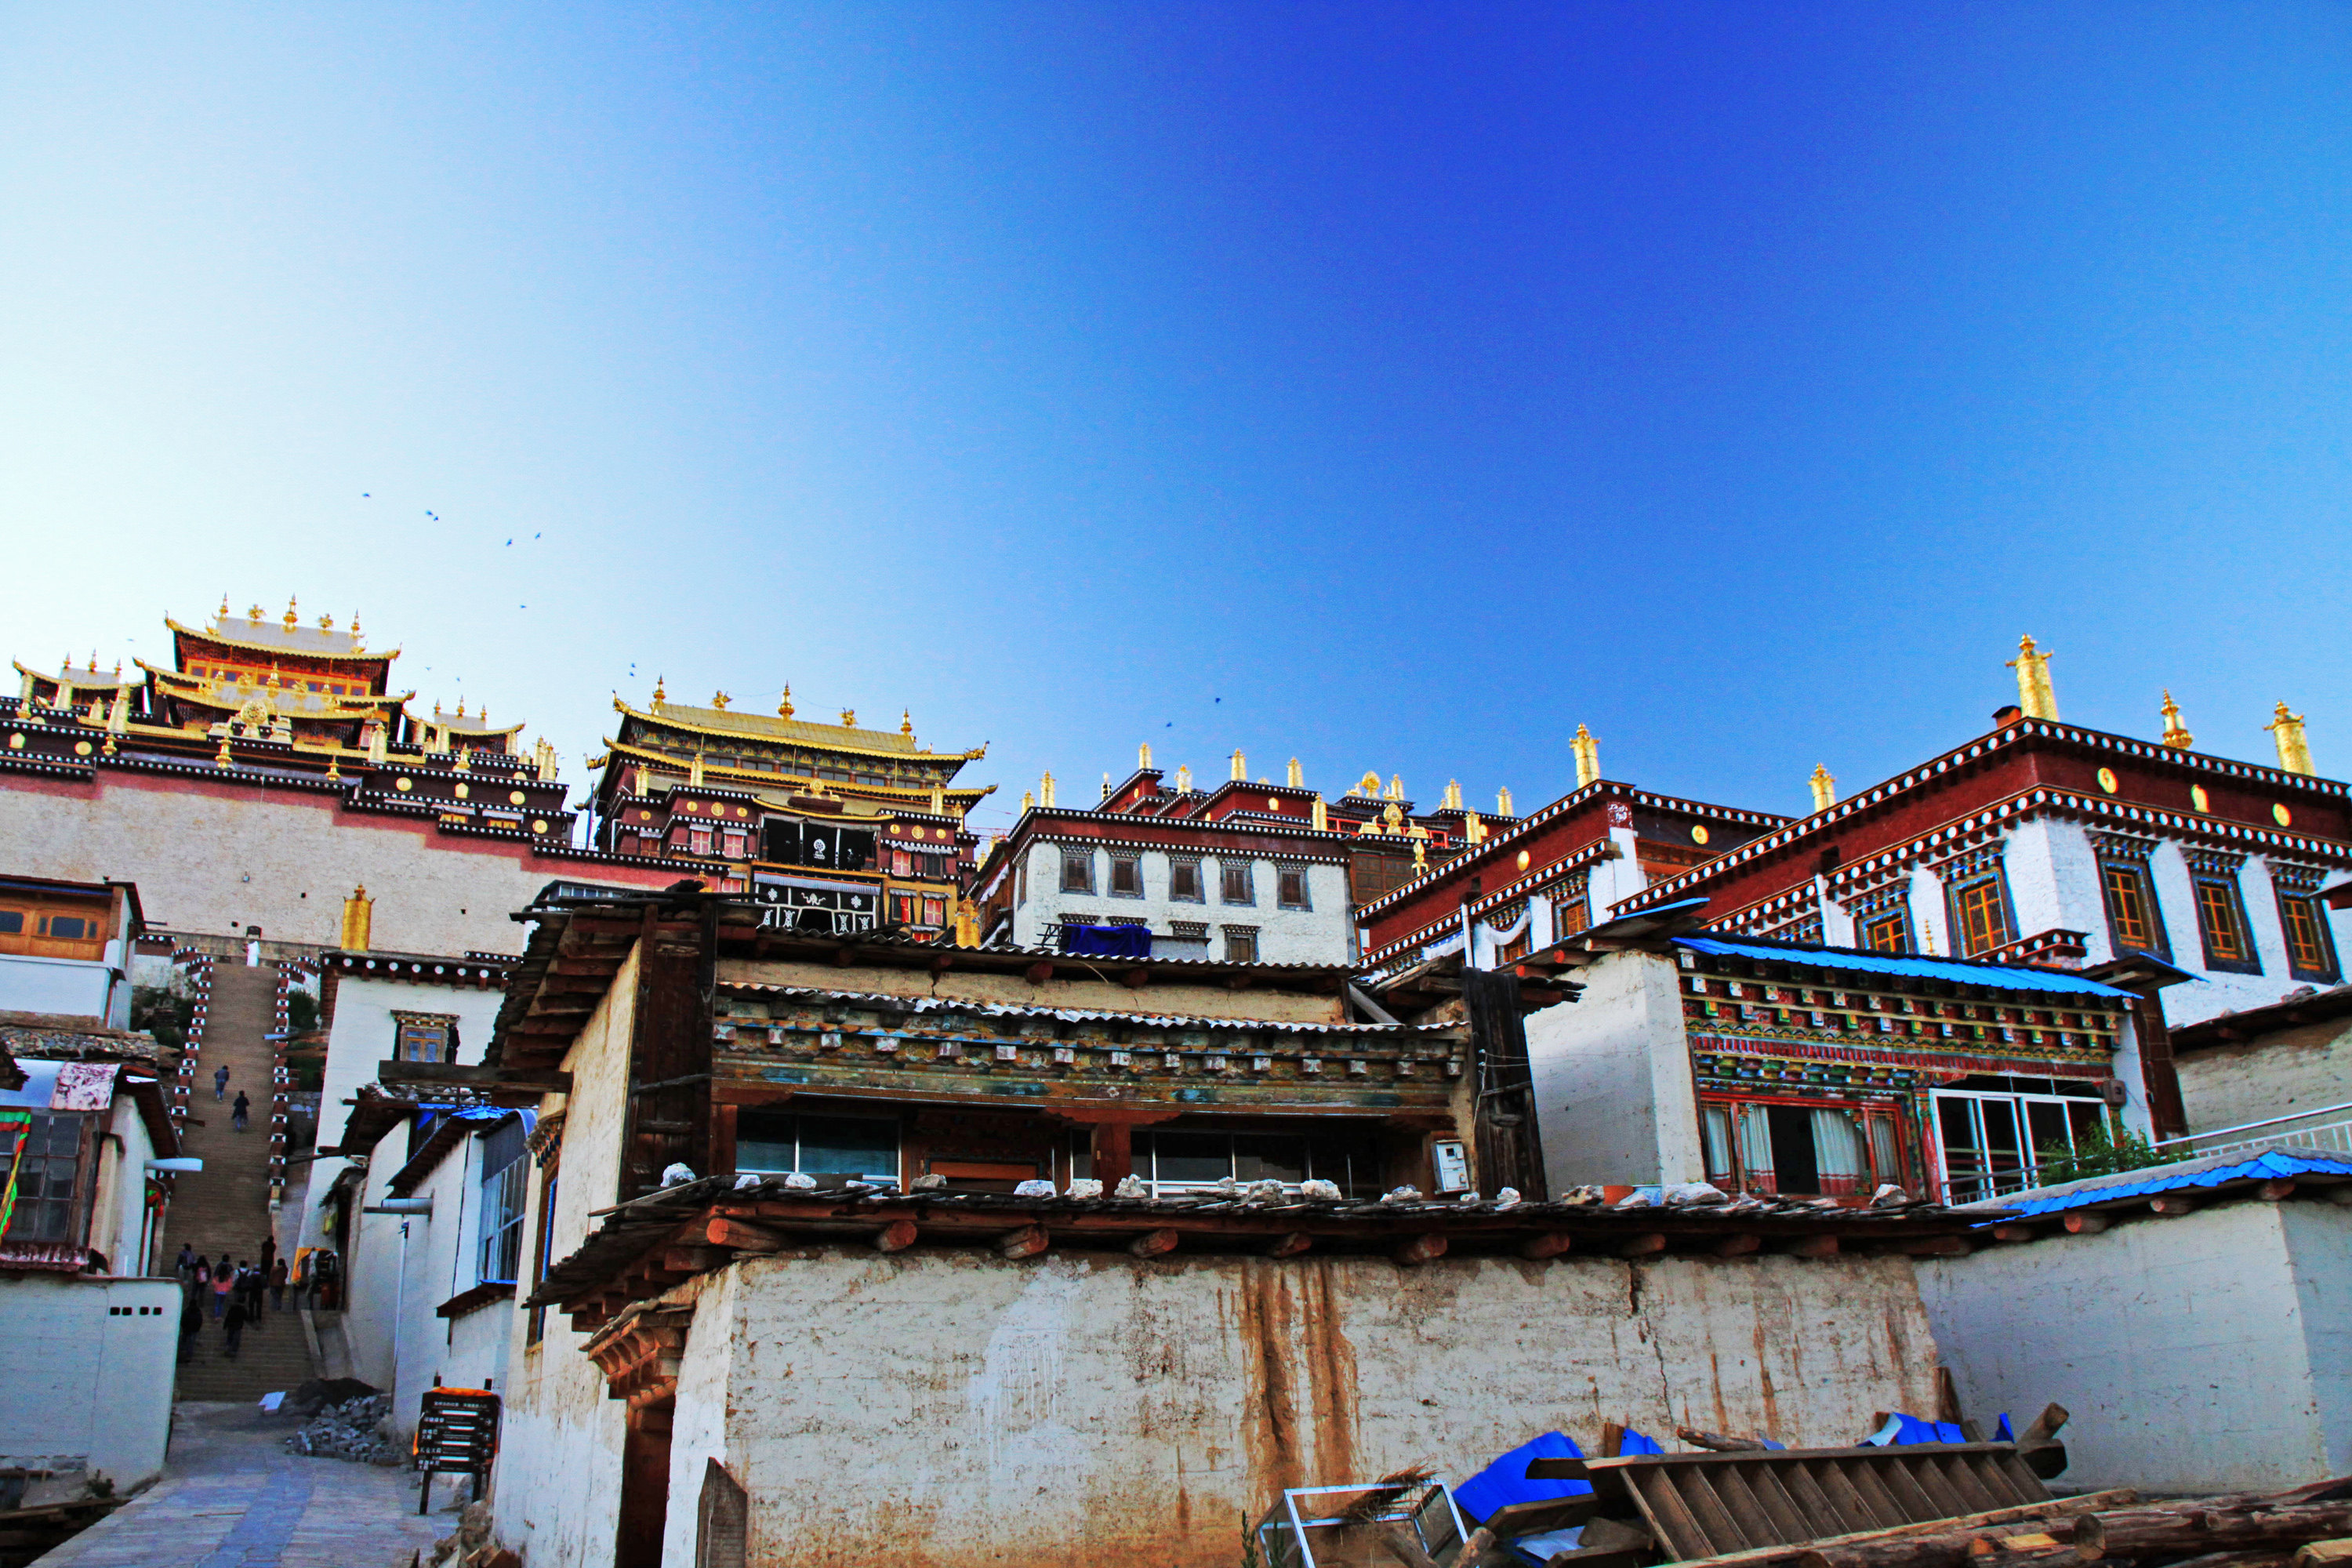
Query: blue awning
point(1998, 976)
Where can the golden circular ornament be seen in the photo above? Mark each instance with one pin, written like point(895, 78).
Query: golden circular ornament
point(2107, 780)
point(1524, 858)
point(514, 797)
point(2281, 816)
point(2199, 799)
point(465, 791)
point(1698, 833)
point(538, 824)
point(404, 785)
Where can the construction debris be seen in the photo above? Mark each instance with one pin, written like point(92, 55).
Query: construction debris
point(353, 1431)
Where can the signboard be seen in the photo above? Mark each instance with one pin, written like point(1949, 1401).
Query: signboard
point(84, 1086)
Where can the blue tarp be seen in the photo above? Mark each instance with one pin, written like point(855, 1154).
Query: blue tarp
point(1505, 1481)
point(1902, 1430)
point(1107, 942)
point(2001, 977)
point(2212, 1171)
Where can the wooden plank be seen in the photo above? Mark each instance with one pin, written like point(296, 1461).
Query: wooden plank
point(1878, 1502)
point(1821, 1517)
point(1851, 1505)
point(1951, 1473)
point(1919, 1496)
point(1788, 1518)
point(1797, 1475)
point(1755, 1520)
point(1662, 1508)
point(1723, 1531)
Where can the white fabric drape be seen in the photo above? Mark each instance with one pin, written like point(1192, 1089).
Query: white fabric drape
point(1838, 1154)
point(1714, 1125)
point(1756, 1147)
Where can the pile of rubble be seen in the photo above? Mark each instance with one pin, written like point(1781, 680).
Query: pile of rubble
point(353, 1430)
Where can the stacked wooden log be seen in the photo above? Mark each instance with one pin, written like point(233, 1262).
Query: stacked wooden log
point(2307, 1527)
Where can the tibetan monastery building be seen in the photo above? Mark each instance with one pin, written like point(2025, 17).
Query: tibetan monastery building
point(833, 828)
point(271, 777)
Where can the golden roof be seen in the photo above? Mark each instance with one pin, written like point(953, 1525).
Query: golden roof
point(757, 777)
point(282, 638)
point(463, 723)
point(843, 738)
point(80, 679)
point(288, 695)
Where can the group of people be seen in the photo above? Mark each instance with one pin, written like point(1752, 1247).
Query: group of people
point(236, 1291)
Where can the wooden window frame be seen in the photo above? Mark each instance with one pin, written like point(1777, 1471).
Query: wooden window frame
point(1228, 872)
point(2314, 959)
point(1988, 885)
point(1238, 937)
point(551, 1177)
point(1132, 865)
point(2218, 895)
point(2121, 880)
point(1281, 881)
point(1083, 862)
point(1179, 871)
point(447, 1023)
point(1897, 920)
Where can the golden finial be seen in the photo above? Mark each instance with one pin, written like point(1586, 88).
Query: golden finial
point(93, 662)
point(461, 707)
point(1588, 757)
point(1824, 788)
point(1297, 777)
point(118, 670)
point(1421, 855)
point(1028, 802)
point(2035, 697)
point(906, 723)
point(659, 695)
point(1143, 757)
point(1393, 815)
point(2294, 748)
point(355, 628)
point(694, 769)
point(223, 614)
point(1046, 790)
point(1241, 767)
point(221, 759)
point(720, 700)
point(784, 706)
point(1452, 801)
point(1183, 778)
point(849, 718)
point(436, 708)
point(2175, 734)
point(326, 623)
point(253, 614)
point(291, 617)
point(1322, 816)
point(1475, 829)
point(1396, 786)
point(939, 800)
point(1503, 802)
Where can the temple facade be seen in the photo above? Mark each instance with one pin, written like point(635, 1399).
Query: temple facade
point(1248, 872)
point(831, 827)
point(272, 779)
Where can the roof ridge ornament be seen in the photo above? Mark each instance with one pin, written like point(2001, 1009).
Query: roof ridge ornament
point(2293, 748)
point(1588, 757)
point(1824, 788)
point(2035, 695)
point(2176, 734)
point(784, 705)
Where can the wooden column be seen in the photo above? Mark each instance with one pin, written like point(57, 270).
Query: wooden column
point(2157, 1074)
point(1113, 1152)
point(645, 1486)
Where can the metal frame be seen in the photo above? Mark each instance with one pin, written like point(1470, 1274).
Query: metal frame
point(1408, 1510)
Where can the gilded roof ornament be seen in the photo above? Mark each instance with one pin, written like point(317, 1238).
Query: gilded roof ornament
point(1824, 788)
point(291, 617)
point(849, 718)
point(2035, 696)
point(2176, 734)
point(1396, 786)
point(2293, 748)
point(1503, 802)
point(253, 614)
point(784, 707)
point(720, 700)
point(1588, 757)
point(1143, 757)
point(1183, 778)
point(1297, 777)
point(906, 724)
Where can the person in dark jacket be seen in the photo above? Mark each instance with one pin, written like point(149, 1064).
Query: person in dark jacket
point(191, 1320)
point(277, 1285)
point(235, 1323)
point(239, 1109)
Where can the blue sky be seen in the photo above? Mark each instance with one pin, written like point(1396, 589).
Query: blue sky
point(1394, 387)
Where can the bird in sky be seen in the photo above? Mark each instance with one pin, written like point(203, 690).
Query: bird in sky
point(434, 516)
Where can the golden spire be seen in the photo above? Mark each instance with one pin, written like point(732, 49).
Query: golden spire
point(849, 718)
point(1452, 801)
point(2035, 697)
point(906, 723)
point(1475, 829)
point(223, 609)
point(2176, 734)
point(1297, 777)
point(1046, 790)
point(1824, 788)
point(1183, 778)
point(1028, 803)
point(2294, 748)
point(1322, 814)
point(1241, 768)
point(1396, 786)
point(1503, 802)
point(784, 704)
point(291, 617)
point(355, 631)
point(659, 695)
point(1588, 757)
point(694, 770)
point(461, 702)
point(720, 700)
point(1143, 757)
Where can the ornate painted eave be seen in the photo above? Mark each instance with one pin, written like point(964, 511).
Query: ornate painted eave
point(761, 778)
point(285, 647)
point(848, 740)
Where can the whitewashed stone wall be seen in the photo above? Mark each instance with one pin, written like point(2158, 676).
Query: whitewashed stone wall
point(1318, 934)
point(2283, 1074)
point(82, 1388)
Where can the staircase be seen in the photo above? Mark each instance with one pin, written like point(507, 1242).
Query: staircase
point(225, 1206)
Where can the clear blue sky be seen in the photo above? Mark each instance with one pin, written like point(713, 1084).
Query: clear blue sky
point(1392, 387)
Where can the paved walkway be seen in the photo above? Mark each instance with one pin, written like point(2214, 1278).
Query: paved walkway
point(231, 1498)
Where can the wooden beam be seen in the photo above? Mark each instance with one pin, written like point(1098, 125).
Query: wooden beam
point(2014, 1233)
point(2171, 1206)
point(1646, 1245)
point(2086, 1224)
point(1136, 979)
point(1152, 1243)
point(1419, 1249)
point(2272, 1192)
point(896, 1236)
point(1551, 1245)
point(1027, 1242)
point(692, 1260)
point(1290, 1246)
point(1039, 972)
point(743, 1237)
point(1738, 1245)
point(1930, 1246)
point(1811, 1247)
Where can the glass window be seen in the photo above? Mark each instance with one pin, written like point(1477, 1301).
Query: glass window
point(1994, 1143)
point(1127, 876)
point(698, 841)
point(1889, 931)
point(505, 1175)
point(1292, 892)
point(1077, 871)
point(2131, 908)
point(1234, 882)
point(735, 846)
point(1241, 944)
point(853, 1147)
point(11, 922)
point(424, 1039)
point(1568, 916)
point(65, 928)
point(1184, 880)
point(1980, 917)
point(48, 1176)
point(2222, 923)
point(2310, 956)
point(1171, 1163)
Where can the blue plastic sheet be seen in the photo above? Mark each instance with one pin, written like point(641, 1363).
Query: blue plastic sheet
point(1902, 1430)
point(1505, 1481)
point(1107, 942)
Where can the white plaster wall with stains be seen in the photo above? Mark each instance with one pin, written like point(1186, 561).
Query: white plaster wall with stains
point(2208, 1353)
point(558, 1476)
point(1614, 1098)
point(943, 1408)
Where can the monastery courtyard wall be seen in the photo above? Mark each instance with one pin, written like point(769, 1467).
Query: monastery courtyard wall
point(945, 1408)
point(213, 858)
